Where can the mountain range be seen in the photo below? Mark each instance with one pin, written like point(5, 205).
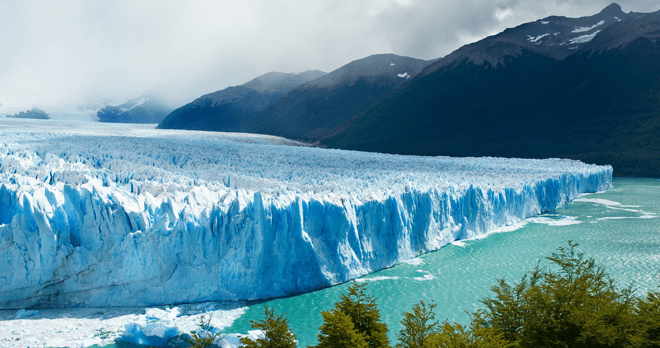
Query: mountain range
point(233, 109)
point(145, 109)
point(584, 88)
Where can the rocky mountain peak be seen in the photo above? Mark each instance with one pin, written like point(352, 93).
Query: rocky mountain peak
point(612, 10)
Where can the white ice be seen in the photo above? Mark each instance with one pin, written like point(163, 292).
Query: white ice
point(618, 206)
point(566, 221)
point(425, 277)
point(414, 261)
point(84, 327)
point(96, 215)
point(371, 279)
point(597, 201)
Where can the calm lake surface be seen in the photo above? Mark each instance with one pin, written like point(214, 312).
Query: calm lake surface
point(619, 228)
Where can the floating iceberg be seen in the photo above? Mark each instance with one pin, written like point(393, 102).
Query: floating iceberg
point(155, 329)
point(135, 217)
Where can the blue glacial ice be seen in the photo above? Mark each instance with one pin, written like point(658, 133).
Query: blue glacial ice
point(136, 217)
point(154, 330)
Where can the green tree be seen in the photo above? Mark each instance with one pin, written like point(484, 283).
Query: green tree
point(338, 331)
point(205, 337)
point(648, 314)
point(364, 314)
point(418, 325)
point(456, 336)
point(275, 329)
point(361, 311)
point(572, 303)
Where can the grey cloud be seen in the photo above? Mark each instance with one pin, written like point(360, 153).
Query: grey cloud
point(72, 51)
point(428, 29)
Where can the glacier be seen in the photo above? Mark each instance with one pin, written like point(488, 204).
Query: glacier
point(123, 215)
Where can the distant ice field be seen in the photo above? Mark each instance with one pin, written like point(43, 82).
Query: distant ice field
point(98, 214)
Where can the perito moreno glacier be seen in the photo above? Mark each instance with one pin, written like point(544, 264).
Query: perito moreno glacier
point(120, 215)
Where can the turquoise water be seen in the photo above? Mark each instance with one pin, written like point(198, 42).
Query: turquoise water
point(623, 237)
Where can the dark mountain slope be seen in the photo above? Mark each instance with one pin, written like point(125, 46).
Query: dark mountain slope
point(229, 109)
point(600, 104)
point(146, 109)
point(315, 108)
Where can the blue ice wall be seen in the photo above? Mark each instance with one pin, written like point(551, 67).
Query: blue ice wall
point(117, 226)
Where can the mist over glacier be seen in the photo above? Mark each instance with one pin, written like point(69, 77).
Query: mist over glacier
point(124, 215)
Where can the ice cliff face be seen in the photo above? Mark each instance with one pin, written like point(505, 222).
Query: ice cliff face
point(89, 218)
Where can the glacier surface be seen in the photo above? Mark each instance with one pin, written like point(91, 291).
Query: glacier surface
point(126, 215)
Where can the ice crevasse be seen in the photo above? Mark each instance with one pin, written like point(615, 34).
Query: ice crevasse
point(95, 219)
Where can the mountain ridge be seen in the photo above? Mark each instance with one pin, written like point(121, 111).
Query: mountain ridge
point(600, 104)
point(315, 108)
point(230, 108)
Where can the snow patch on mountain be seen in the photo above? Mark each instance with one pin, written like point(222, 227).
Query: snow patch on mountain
point(585, 29)
point(584, 38)
point(535, 39)
point(138, 103)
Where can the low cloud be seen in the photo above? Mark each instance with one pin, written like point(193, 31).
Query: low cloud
point(75, 51)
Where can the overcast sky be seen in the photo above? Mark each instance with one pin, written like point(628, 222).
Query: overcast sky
point(67, 52)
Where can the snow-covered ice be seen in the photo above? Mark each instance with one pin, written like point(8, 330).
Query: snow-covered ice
point(597, 201)
point(83, 327)
point(124, 215)
point(371, 279)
